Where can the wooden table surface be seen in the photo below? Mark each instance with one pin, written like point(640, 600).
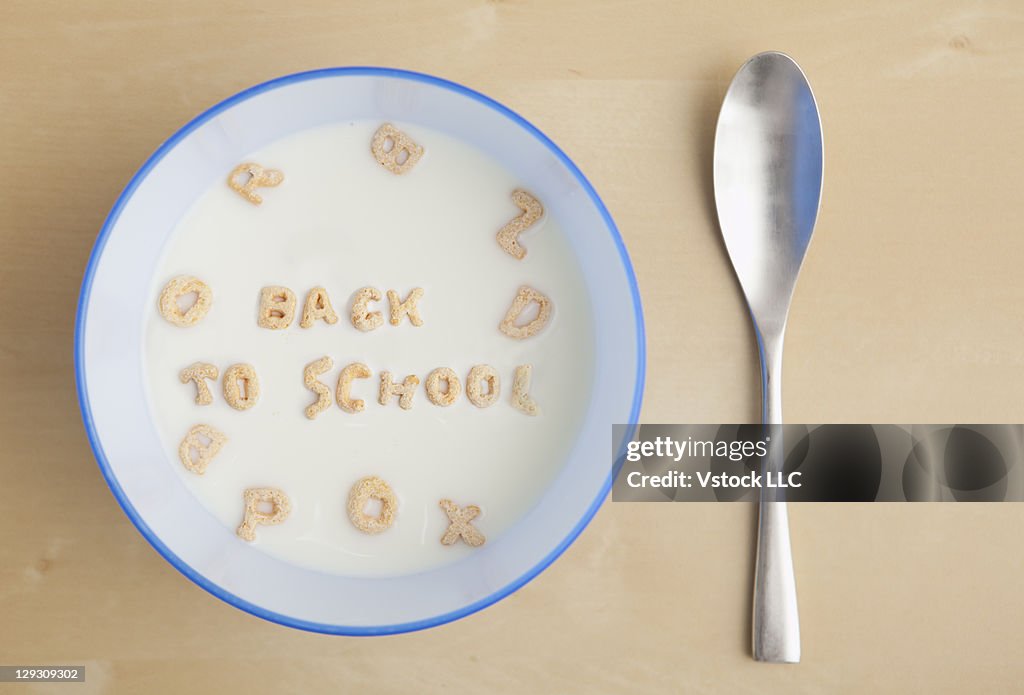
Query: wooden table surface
point(910, 309)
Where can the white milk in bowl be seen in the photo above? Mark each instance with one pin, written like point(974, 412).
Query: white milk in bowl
point(341, 220)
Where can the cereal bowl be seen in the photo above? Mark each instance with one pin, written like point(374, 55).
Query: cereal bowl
point(116, 403)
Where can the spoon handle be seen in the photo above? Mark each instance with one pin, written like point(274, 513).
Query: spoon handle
point(776, 620)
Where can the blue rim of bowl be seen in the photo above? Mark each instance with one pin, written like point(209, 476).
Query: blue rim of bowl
point(83, 395)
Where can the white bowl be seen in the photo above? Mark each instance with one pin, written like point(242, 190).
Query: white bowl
point(108, 354)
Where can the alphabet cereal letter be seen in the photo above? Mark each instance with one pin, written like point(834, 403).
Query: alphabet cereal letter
point(277, 307)
point(521, 390)
point(356, 370)
point(361, 318)
point(523, 299)
point(206, 442)
point(452, 387)
point(459, 524)
point(280, 508)
point(245, 178)
point(366, 489)
point(241, 386)
point(478, 376)
point(179, 287)
point(508, 236)
point(395, 150)
point(400, 308)
point(317, 306)
point(199, 372)
point(405, 391)
point(323, 394)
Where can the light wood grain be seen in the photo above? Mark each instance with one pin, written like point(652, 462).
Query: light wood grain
point(909, 310)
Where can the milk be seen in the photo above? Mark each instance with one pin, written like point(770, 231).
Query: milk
point(341, 221)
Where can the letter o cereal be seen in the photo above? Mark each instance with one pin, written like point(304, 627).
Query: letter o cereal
point(366, 489)
point(478, 376)
point(177, 288)
point(241, 386)
point(453, 387)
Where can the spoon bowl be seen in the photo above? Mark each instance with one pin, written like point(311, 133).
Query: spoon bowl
point(768, 174)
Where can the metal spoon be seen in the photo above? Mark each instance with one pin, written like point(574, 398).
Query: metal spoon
point(768, 168)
